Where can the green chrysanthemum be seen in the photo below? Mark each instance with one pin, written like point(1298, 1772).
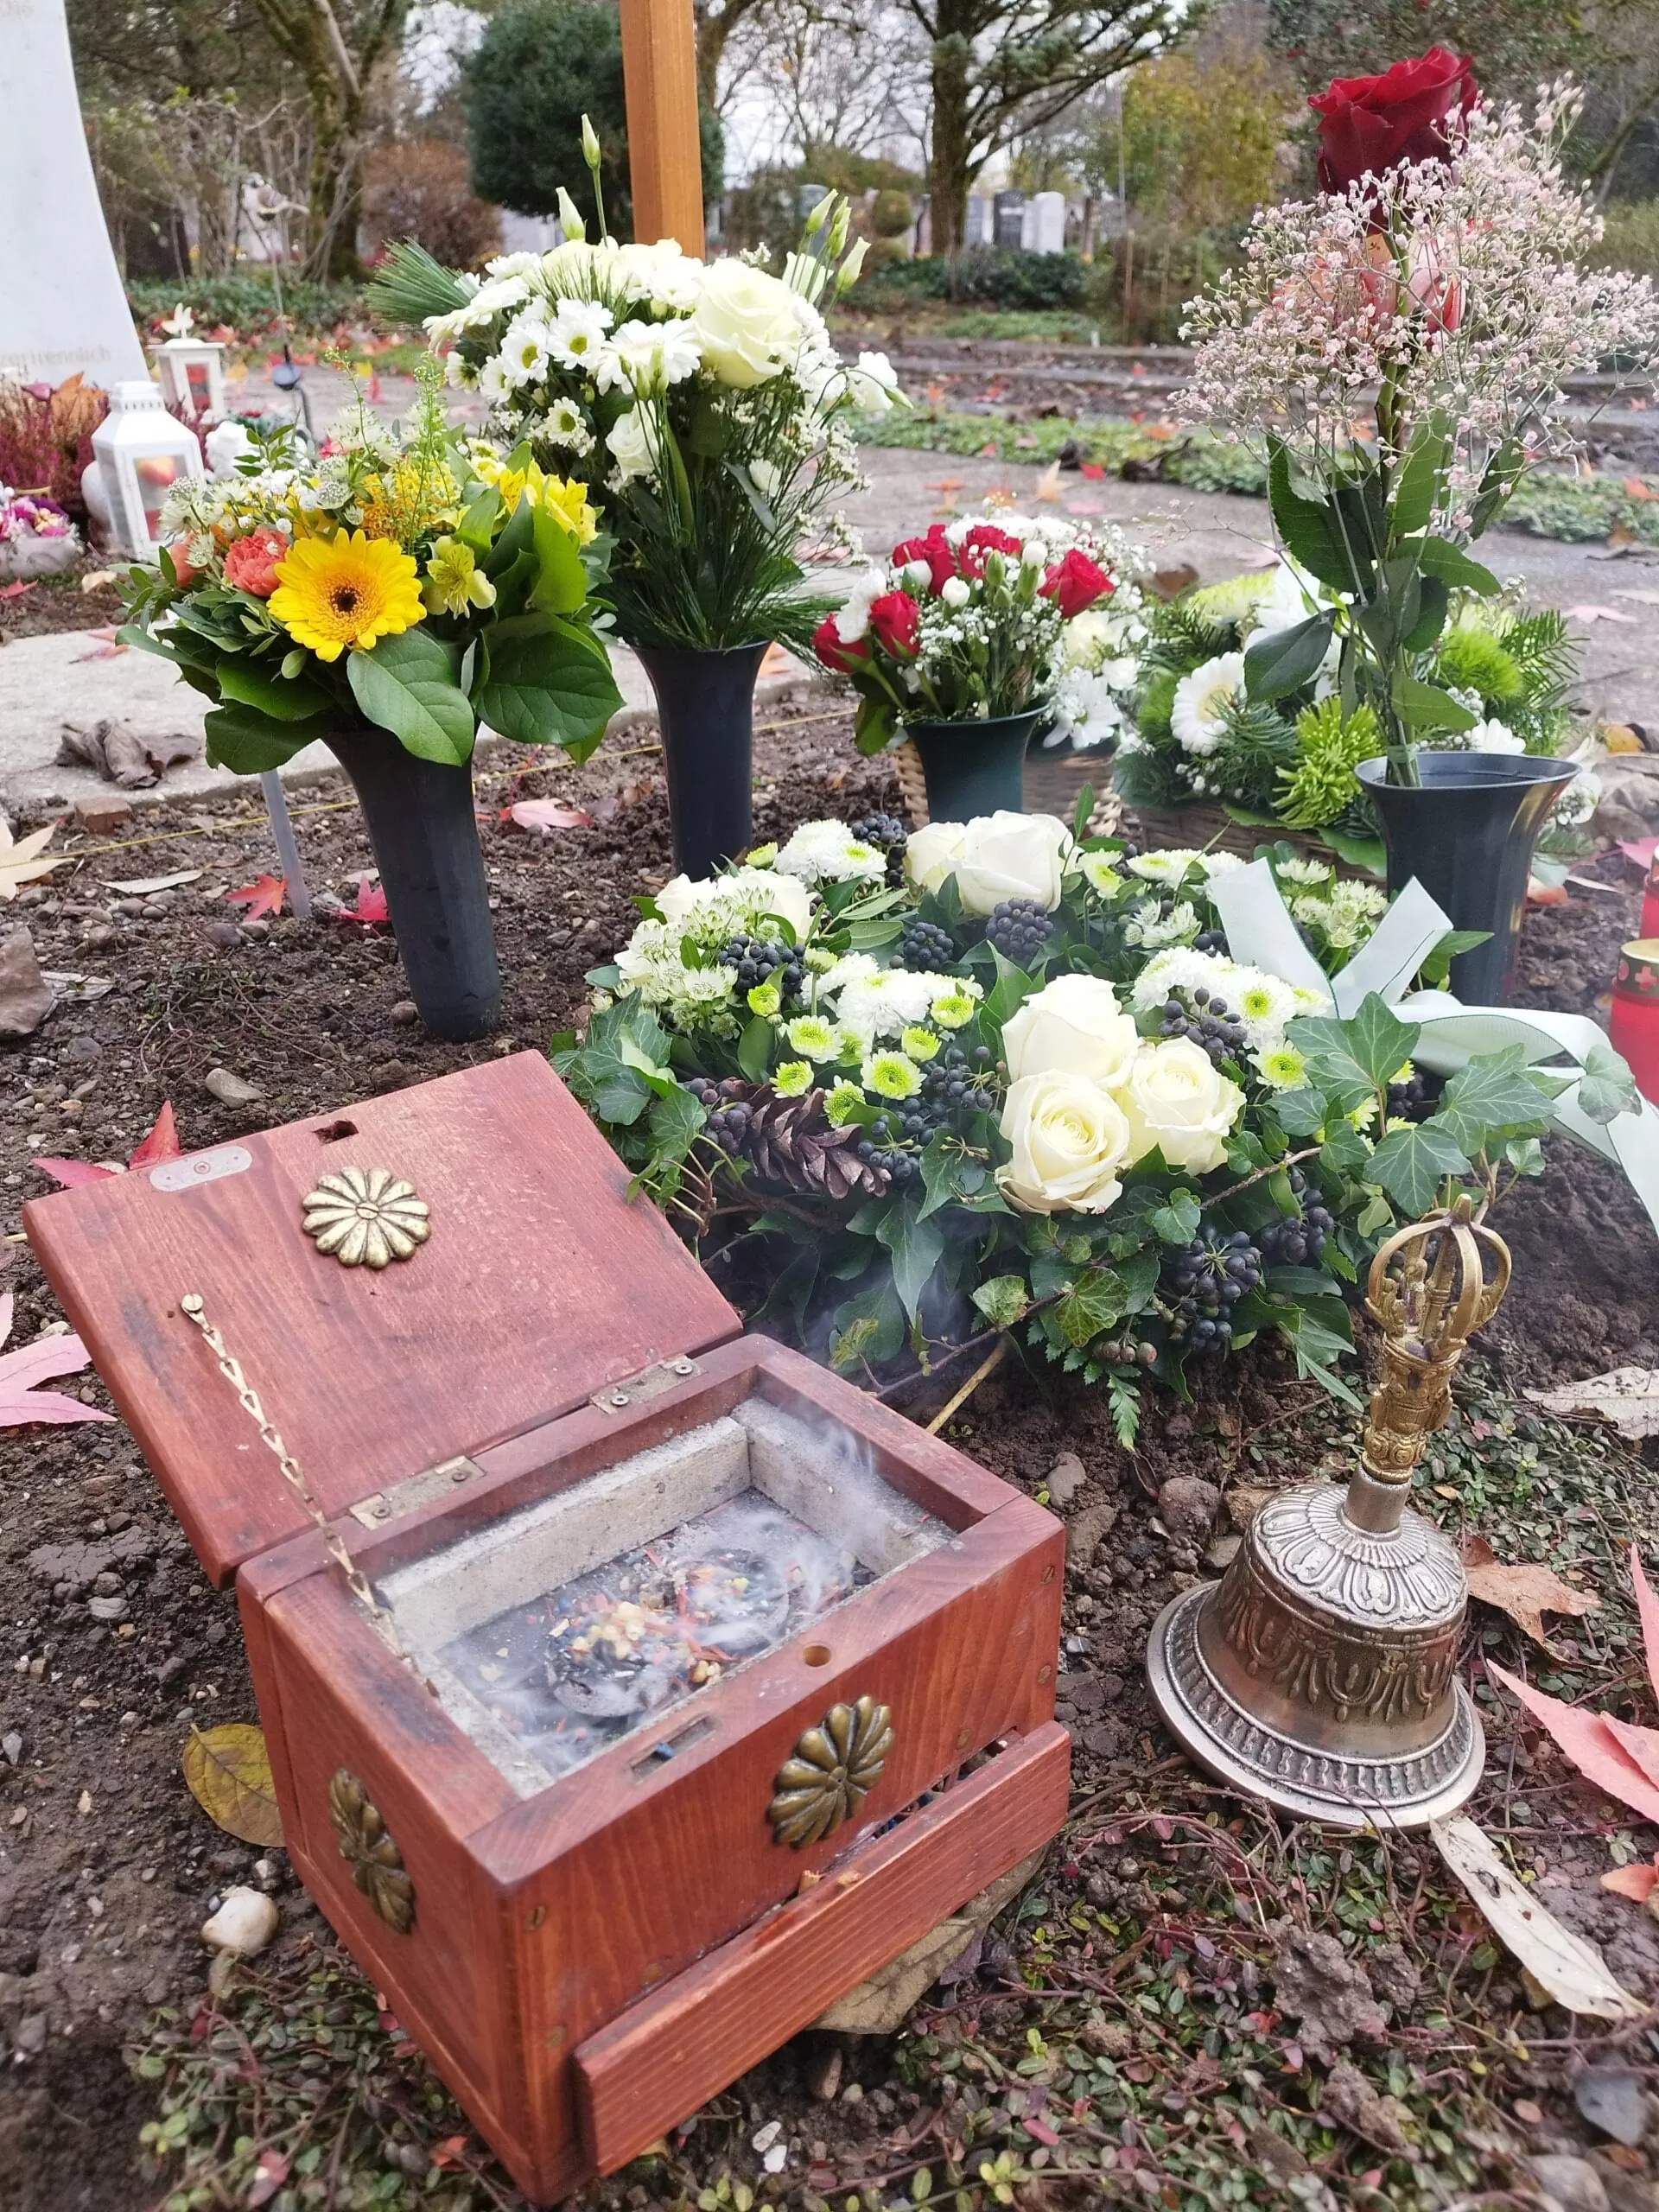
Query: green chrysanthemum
point(842, 1102)
point(765, 999)
point(811, 1034)
point(891, 1075)
point(1283, 1069)
point(953, 1009)
point(792, 1079)
point(920, 1043)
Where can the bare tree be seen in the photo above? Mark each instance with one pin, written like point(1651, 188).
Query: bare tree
point(836, 76)
point(336, 51)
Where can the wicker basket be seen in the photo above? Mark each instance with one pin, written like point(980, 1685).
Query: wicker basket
point(1208, 826)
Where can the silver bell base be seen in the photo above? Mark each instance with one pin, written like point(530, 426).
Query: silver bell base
point(1311, 1783)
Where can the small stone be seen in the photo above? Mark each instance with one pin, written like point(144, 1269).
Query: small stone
point(83, 1802)
point(245, 1923)
point(255, 930)
point(1222, 1552)
point(1064, 1479)
point(388, 1074)
point(1187, 1506)
point(100, 935)
point(404, 1012)
point(852, 2095)
point(82, 1050)
point(1572, 2184)
point(25, 995)
point(230, 1089)
point(223, 933)
point(824, 2074)
point(99, 814)
point(12, 1744)
point(264, 1871)
point(30, 2037)
point(1084, 1535)
point(1611, 2098)
point(1106, 2038)
point(764, 2138)
point(130, 1720)
point(107, 1609)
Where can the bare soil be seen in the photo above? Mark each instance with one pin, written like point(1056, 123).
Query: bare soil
point(1121, 2035)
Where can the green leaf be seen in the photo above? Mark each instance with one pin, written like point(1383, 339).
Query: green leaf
point(408, 684)
point(1454, 568)
point(1432, 602)
point(1380, 1042)
point(247, 742)
point(1299, 1113)
point(1425, 706)
point(1378, 1214)
point(1100, 1299)
point(476, 525)
point(1369, 853)
point(1176, 1222)
point(560, 585)
point(673, 1121)
point(1608, 1088)
point(1417, 486)
point(244, 680)
point(916, 1246)
point(1492, 1093)
point(553, 686)
point(1317, 1349)
point(1307, 528)
point(1081, 812)
point(1003, 1300)
point(754, 1048)
point(874, 724)
point(1437, 964)
point(1289, 658)
point(1412, 1162)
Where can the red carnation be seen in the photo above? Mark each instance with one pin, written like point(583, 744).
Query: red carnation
point(833, 650)
point(897, 622)
point(1076, 582)
point(251, 562)
point(1413, 112)
point(985, 537)
point(935, 549)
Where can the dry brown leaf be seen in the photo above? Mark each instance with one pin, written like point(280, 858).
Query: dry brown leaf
point(1627, 1396)
point(1571, 1970)
point(1524, 1592)
point(229, 1777)
point(1637, 1881)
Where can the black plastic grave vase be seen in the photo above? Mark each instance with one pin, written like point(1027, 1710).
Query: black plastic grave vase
point(705, 708)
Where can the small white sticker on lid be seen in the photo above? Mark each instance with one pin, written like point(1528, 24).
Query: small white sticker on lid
point(201, 1167)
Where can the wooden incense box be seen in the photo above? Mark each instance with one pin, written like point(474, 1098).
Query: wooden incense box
point(717, 1684)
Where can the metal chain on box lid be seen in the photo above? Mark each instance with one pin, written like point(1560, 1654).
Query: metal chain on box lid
point(193, 1310)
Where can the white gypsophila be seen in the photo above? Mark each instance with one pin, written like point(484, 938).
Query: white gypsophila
point(1577, 802)
point(1150, 927)
point(1195, 714)
point(828, 852)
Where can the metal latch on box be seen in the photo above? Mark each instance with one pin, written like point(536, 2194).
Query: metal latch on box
point(649, 1383)
point(415, 1491)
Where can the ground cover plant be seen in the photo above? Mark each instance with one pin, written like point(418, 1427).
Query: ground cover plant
point(1145, 1979)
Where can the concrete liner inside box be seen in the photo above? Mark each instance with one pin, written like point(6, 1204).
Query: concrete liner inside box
point(819, 1474)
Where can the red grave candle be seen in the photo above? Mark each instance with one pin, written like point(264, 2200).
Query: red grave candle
point(1634, 1026)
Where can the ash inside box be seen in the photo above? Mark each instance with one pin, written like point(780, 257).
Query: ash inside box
point(582, 1618)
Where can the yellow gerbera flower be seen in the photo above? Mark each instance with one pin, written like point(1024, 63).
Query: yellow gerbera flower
point(349, 590)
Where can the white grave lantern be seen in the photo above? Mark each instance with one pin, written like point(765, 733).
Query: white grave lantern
point(141, 452)
point(192, 369)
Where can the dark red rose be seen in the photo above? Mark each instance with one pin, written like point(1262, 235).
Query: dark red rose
point(1076, 582)
point(934, 549)
point(896, 622)
point(985, 537)
point(1413, 112)
point(833, 650)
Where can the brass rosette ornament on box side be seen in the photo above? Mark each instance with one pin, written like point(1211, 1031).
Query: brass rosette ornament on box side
point(1320, 1673)
point(833, 1769)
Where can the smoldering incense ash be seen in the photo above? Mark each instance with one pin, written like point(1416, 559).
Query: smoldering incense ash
point(572, 1670)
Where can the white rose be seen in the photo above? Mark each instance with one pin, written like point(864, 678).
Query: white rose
point(783, 895)
point(1178, 1101)
point(631, 443)
point(932, 854)
point(1071, 1026)
point(1069, 1138)
point(745, 322)
point(1012, 857)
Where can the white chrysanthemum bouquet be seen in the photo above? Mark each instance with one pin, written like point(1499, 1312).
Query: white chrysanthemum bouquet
point(703, 403)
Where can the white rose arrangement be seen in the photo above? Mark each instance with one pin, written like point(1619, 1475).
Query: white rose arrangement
point(703, 403)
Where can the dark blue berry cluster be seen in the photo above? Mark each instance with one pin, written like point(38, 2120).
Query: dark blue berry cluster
point(1204, 1281)
point(925, 948)
point(1019, 928)
point(1208, 1021)
point(1299, 1239)
point(763, 960)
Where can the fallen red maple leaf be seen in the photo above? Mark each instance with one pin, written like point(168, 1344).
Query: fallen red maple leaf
point(1092, 469)
point(27, 1364)
point(14, 589)
point(1618, 1757)
point(546, 815)
point(264, 895)
point(161, 1143)
point(370, 911)
point(1635, 1881)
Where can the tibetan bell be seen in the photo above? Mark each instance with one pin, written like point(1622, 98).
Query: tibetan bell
point(1320, 1672)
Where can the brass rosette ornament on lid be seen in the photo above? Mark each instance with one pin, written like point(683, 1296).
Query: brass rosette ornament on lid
point(366, 1217)
point(1320, 1673)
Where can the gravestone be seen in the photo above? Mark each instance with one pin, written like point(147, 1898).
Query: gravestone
point(62, 305)
point(980, 228)
point(1043, 222)
point(1009, 218)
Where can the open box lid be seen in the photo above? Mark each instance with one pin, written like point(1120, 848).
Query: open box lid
point(539, 1284)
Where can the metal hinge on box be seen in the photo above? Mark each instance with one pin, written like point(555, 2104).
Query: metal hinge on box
point(649, 1383)
point(416, 1490)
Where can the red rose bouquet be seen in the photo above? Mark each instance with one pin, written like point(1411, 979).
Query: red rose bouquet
point(986, 618)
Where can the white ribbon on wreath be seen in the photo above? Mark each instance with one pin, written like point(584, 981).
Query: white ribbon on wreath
point(1259, 930)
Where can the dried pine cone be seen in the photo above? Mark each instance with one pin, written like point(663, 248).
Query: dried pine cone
point(789, 1142)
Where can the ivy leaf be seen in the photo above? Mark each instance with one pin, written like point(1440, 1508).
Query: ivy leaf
point(1177, 1221)
point(1100, 1299)
point(1317, 1349)
point(1437, 964)
point(1381, 1042)
point(1003, 1300)
point(1493, 1092)
point(1608, 1088)
point(1412, 1161)
point(1378, 1214)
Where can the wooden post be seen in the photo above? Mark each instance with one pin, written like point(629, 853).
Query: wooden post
point(659, 69)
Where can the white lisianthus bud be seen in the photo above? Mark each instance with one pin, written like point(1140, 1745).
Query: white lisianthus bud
point(850, 268)
point(1034, 554)
point(820, 215)
point(1178, 1102)
point(1071, 1026)
point(1067, 1139)
point(955, 592)
point(570, 223)
point(839, 227)
point(917, 575)
point(589, 143)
